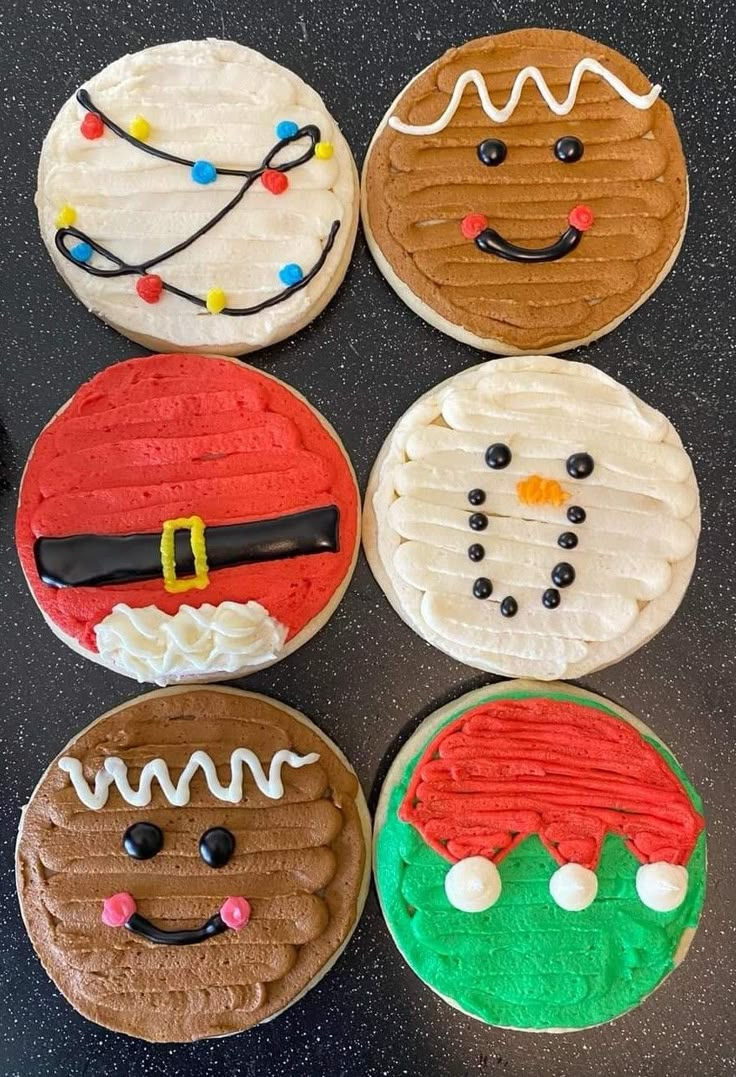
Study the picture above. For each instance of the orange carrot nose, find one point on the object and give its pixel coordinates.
(536, 490)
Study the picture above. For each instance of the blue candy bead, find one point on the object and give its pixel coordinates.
(286, 129)
(204, 172)
(290, 274)
(81, 252)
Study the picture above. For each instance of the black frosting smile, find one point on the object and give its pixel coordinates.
(140, 926)
(491, 242)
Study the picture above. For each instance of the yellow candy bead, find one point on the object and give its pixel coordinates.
(139, 128)
(66, 216)
(216, 300)
(323, 151)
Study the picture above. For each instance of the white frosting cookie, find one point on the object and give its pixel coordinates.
(212, 151)
(532, 517)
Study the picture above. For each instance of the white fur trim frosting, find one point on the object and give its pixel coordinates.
(150, 645)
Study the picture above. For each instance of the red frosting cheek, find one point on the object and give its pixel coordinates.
(174, 436)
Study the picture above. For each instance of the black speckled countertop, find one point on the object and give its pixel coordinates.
(366, 679)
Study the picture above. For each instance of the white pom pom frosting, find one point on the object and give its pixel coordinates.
(662, 886)
(573, 887)
(473, 884)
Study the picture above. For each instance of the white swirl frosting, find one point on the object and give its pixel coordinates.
(635, 550)
(150, 645)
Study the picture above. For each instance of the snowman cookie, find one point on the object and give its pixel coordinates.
(192, 863)
(539, 857)
(532, 517)
(526, 192)
(187, 518)
(198, 196)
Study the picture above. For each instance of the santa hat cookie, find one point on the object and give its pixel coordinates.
(192, 863)
(526, 192)
(187, 518)
(539, 856)
(198, 196)
(532, 517)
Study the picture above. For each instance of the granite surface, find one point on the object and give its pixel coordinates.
(366, 679)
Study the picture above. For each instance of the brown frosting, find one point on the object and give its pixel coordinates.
(298, 860)
(632, 175)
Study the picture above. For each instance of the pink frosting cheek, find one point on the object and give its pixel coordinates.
(235, 912)
(118, 909)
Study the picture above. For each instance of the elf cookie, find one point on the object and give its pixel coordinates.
(532, 517)
(198, 196)
(187, 518)
(192, 863)
(526, 192)
(539, 857)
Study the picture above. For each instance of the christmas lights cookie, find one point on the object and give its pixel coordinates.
(187, 518)
(532, 517)
(526, 192)
(192, 863)
(198, 196)
(539, 857)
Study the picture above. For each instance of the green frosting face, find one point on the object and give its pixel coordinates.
(526, 963)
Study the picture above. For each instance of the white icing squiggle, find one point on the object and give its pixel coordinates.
(560, 108)
(154, 646)
(115, 770)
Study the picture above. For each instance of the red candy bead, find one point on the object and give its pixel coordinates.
(273, 181)
(149, 288)
(581, 217)
(92, 126)
(472, 225)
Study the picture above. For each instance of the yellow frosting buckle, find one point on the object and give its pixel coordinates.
(195, 526)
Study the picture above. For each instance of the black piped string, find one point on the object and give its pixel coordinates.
(123, 268)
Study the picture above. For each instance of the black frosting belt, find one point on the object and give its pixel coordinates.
(98, 560)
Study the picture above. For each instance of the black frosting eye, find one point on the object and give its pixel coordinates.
(492, 151)
(216, 846)
(498, 456)
(568, 149)
(143, 840)
(580, 465)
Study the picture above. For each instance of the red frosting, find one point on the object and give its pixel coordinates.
(181, 435)
(567, 772)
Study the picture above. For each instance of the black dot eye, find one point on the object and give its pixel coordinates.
(216, 846)
(568, 149)
(580, 465)
(498, 456)
(143, 840)
(492, 151)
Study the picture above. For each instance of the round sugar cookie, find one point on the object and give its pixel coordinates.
(187, 517)
(532, 517)
(198, 196)
(539, 857)
(192, 863)
(526, 192)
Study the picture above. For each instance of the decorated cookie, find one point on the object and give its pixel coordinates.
(192, 863)
(539, 857)
(187, 518)
(526, 192)
(199, 196)
(532, 517)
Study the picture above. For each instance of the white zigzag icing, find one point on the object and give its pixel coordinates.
(560, 108)
(115, 770)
